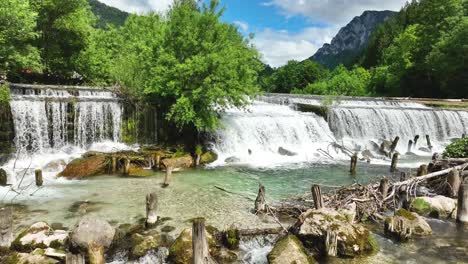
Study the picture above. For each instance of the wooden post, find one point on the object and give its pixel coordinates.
(384, 186)
(393, 166)
(422, 170)
(197, 160)
(462, 209)
(157, 162)
(416, 138)
(167, 178)
(394, 144)
(96, 254)
(260, 203)
(317, 196)
(454, 182)
(353, 165)
(428, 140)
(74, 259)
(3, 178)
(331, 243)
(151, 208)
(6, 227)
(410, 146)
(126, 169)
(114, 165)
(38, 175)
(201, 254)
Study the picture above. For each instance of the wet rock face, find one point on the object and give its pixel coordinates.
(438, 207)
(289, 250)
(352, 239)
(85, 167)
(405, 225)
(40, 235)
(91, 230)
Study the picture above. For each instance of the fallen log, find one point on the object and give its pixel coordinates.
(431, 175)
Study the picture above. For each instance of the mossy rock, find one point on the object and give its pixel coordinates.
(142, 244)
(86, 167)
(208, 157)
(404, 225)
(231, 239)
(289, 250)
(140, 172)
(437, 207)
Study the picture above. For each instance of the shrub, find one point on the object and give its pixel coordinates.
(458, 149)
(4, 93)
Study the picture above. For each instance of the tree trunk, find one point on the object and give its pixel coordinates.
(96, 254)
(393, 166)
(6, 227)
(462, 209)
(157, 162)
(422, 170)
(201, 254)
(410, 146)
(331, 243)
(317, 196)
(384, 186)
(38, 175)
(428, 140)
(197, 160)
(394, 144)
(454, 183)
(352, 168)
(151, 208)
(74, 259)
(260, 203)
(126, 170)
(114, 165)
(167, 178)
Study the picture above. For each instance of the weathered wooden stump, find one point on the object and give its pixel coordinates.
(317, 196)
(126, 167)
(6, 227)
(38, 176)
(454, 183)
(394, 144)
(197, 160)
(74, 259)
(352, 168)
(331, 243)
(168, 176)
(96, 254)
(462, 206)
(410, 146)
(384, 186)
(393, 166)
(422, 170)
(3, 178)
(260, 203)
(416, 138)
(151, 208)
(428, 141)
(157, 162)
(201, 254)
(114, 165)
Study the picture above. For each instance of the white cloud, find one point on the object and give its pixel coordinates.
(333, 11)
(244, 26)
(139, 6)
(280, 46)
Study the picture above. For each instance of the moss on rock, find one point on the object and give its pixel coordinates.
(289, 250)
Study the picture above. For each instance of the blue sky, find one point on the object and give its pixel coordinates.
(284, 29)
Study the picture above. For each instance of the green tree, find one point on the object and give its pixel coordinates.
(203, 66)
(296, 76)
(17, 23)
(65, 28)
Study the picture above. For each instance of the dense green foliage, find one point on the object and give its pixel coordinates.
(4, 93)
(458, 149)
(107, 15)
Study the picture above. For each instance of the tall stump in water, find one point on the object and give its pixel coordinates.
(114, 165)
(393, 166)
(260, 203)
(3, 178)
(157, 162)
(454, 182)
(416, 138)
(317, 196)
(428, 140)
(201, 254)
(394, 144)
(6, 227)
(126, 167)
(352, 168)
(38, 176)
(410, 146)
(168, 176)
(462, 209)
(151, 207)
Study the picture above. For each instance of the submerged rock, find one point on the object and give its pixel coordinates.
(232, 160)
(91, 230)
(55, 165)
(405, 224)
(438, 206)
(40, 235)
(284, 152)
(289, 250)
(352, 239)
(85, 167)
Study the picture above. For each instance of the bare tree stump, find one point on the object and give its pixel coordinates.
(317, 196)
(462, 209)
(197, 160)
(353, 165)
(201, 254)
(410, 146)
(331, 243)
(96, 254)
(416, 138)
(428, 141)
(38, 176)
(151, 208)
(3, 178)
(126, 167)
(260, 203)
(74, 259)
(393, 166)
(114, 165)
(422, 170)
(6, 227)
(157, 162)
(384, 186)
(454, 182)
(167, 178)
(394, 144)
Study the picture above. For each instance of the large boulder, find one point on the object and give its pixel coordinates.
(405, 224)
(289, 250)
(85, 167)
(438, 206)
(92, 230)
(40, 235)
(181, 250)
(208, 157)
(180, 162)
(352, 239)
